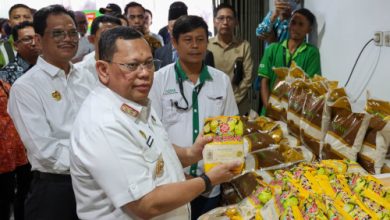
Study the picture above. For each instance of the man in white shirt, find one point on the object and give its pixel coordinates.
(123, 165)
(85, 47)
(188, 91)
(43, 104)
(99, 25)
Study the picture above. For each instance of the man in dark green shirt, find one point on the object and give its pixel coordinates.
(295, 49)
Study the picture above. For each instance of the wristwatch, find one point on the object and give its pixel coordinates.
(207, 182)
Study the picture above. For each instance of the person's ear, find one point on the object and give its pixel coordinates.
(16, 45)
(174, 42)
(102, 69)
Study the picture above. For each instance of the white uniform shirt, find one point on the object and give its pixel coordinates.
(114, 157)
(88, 67)
(84, 48)
(43, 104)
(215, 98)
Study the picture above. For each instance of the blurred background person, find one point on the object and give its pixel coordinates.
(148, 23)
(84, 46)
(17, 14)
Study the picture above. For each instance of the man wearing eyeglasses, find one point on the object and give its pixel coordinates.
(27, 52)
(99, 25)
(43, 105)
(232, 55)
(18, 13)
(19, 177)
(186, 92)
(123, 165)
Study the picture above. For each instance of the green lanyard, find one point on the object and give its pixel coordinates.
(195, 122)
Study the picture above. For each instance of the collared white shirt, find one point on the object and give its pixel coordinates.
(88, 67)
(84, 48)
(215, 98)
(43, 104)
(114, 157)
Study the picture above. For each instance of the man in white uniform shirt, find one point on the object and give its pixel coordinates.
(43, 104)
(188, 91)
(99, 24)
(123, 165)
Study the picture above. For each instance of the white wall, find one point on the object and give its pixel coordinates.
(343, 28)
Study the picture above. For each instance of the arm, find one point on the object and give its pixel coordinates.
(265, 27)
(168, 197)
(264, 91)
(265, 30)
(248, 69)
(28, 115)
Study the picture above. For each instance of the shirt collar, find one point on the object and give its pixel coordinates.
(21, 62)
(215, 40)
(204, 73)
(301, 47)
(135, 110)
(50, 68)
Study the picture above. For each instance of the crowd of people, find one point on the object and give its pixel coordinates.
(107, 124)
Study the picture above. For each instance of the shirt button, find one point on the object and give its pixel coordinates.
(195, 110)
(196, 131)
(133, 187)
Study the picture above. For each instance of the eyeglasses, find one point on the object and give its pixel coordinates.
(27, 40)
(149, 65)
(60, 35)
(223, 18)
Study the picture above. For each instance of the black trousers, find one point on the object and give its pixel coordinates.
(13, 190)
(201, 205)
(51, 197)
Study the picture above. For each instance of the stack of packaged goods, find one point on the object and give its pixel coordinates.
(309, 157)
(330, 189)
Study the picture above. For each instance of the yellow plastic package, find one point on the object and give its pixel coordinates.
(227, 144)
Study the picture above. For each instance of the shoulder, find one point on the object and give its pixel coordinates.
(165, 71)
(312, 48)
(218, 75)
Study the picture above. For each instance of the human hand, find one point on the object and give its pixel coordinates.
(268, 37)
(223, 172)
(281, 6)
(197, 147)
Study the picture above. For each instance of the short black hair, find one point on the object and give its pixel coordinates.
(107, 42)
(103, 19)
(18, 27)
(188, 23)
(307, 13)
(121, 16)
(222, 6)
(133, 5)
(40, 17)
(13, 7)
(150, 12)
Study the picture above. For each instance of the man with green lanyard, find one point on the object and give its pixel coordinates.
(17, 14)
(295, 49)
(188, 91)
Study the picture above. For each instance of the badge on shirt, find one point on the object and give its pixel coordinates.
(56, 95)
(159, 171)
(143, 134)
(129, 110)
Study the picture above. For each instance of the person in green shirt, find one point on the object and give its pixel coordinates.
(18, 13)
(295, 48)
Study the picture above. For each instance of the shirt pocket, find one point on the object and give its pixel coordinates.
(171, 114)
(215, 103)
